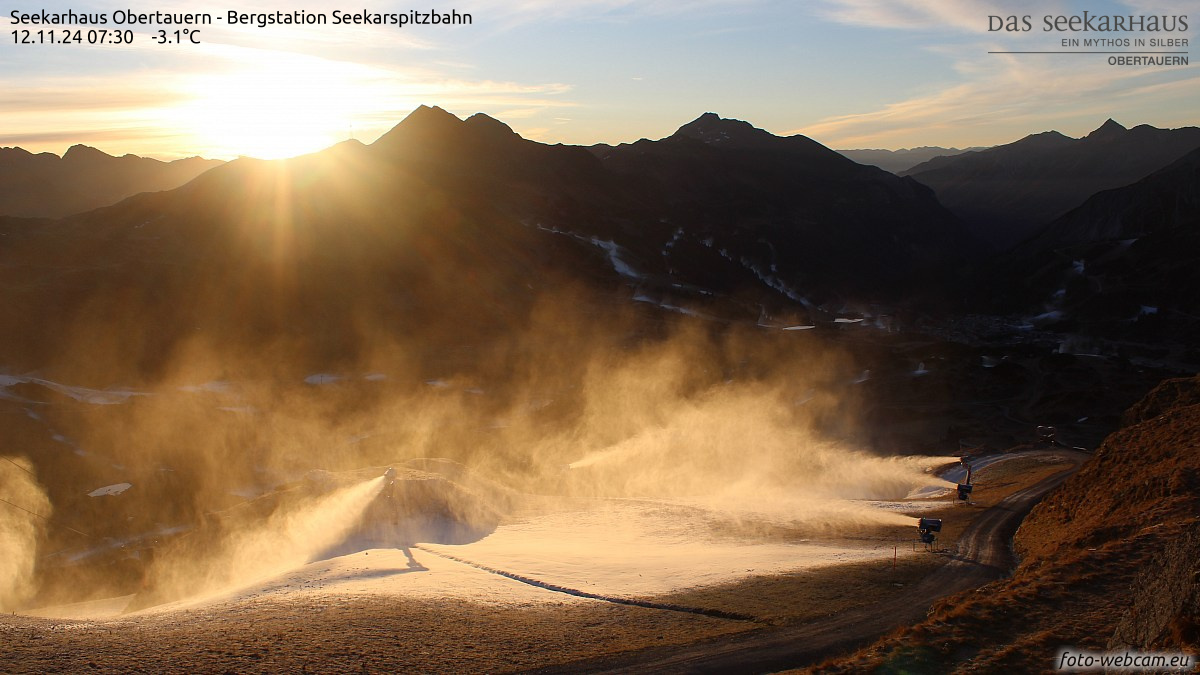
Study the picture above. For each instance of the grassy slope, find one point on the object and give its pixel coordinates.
(1108, 561)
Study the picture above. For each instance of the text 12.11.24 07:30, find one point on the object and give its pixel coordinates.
(101, 36)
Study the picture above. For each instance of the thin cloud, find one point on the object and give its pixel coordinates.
(70, 137)
(1000, 97)
(992, 93)
(507, 15)
(969, 16)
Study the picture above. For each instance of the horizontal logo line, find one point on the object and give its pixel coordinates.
(1071, 52)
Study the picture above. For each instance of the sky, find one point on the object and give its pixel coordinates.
(847, 73)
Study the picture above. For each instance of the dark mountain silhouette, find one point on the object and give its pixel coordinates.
(48, 186)
(1007, 192)
(447, 232)
(1122, 262)
(791, 213)
(1163, 201)
(897, 161)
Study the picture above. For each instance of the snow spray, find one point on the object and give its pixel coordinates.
(22, 520)
(288, 539)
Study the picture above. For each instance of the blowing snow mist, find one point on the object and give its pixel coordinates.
(757, 427)
(22, 524)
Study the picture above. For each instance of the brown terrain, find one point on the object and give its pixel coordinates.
(763, 623)
(458, 292)
(1108, 562)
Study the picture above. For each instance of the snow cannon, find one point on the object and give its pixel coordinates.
(926, 528)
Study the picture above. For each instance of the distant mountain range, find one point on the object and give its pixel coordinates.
(897, 161)
(459, 227)
(48, 186)
(787, 213)
(1005, 193)
(1123, 260)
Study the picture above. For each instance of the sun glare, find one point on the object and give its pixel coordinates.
(279, 105)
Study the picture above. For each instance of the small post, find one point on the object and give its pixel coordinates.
(895, 554)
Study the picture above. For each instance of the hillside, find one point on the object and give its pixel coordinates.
(461, 228)
(1008, 192)
(793, 214)
(48, 186)
(1108, 561)
(1120, 266)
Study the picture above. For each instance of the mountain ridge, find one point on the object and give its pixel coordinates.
(897, 161)
(770, 225)
(1006, 193)
(44, 185)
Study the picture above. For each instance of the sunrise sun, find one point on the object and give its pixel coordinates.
(276, 105)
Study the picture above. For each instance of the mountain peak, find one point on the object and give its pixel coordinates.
(429, 115)
(1110, 129)
(487, 124)
(1044, 140)
(431, 132)
(713, 129)
(420, 125)
(84, 152)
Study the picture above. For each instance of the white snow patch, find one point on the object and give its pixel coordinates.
(613, 549)
(928, 492)
(214, 387)
(1053, 315)
(374, 377)
(615, 256)
(674, 240)
(667, 306)
(957, 473)
(321, 379)
(110, 490)
(799, 327)
(57, 437)
(923, 500)
(242, 410)
(81, 394)
(771, 280)
(93, 396)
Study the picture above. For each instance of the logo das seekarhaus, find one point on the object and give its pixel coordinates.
(1127, 39)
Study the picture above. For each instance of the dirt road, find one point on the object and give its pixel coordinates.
(984, 553)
